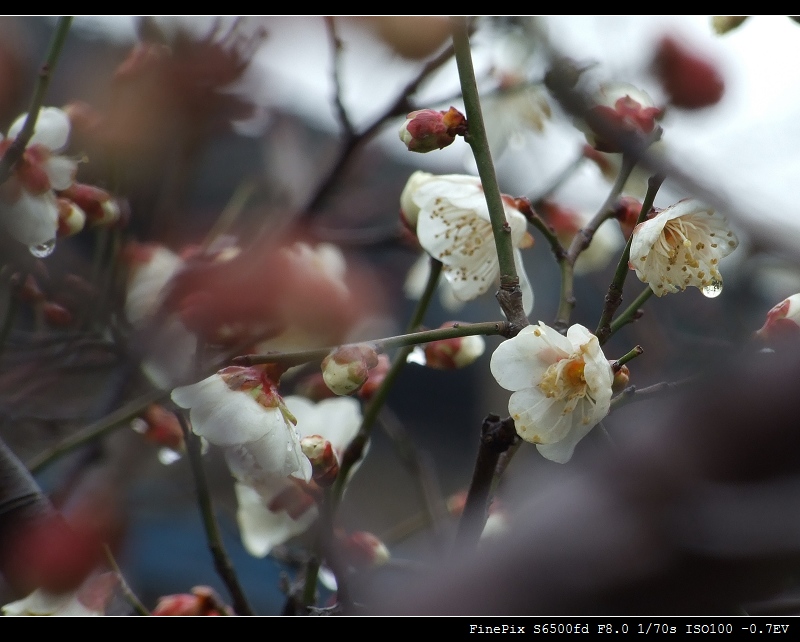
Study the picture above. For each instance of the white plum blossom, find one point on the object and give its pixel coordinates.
(239, 410)
(42, 603)
(272, 512)
(169, 355)
(453, 226)
(681, 247)
(561, 386)
(28, 206)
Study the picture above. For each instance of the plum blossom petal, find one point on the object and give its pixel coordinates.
(681, 247)
(277, 508)
(29, 210)
(32, 220)
(454, 227)
(259, 441)
(52, 128)
(561, 386)
(262, 529)
(41, 602)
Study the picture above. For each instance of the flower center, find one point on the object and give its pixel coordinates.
(676, 236)
(564, 379)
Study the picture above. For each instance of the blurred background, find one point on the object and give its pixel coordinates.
(184, 118)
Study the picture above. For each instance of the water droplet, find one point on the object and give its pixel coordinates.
(713, 289)
(43, 249)
(168, 456)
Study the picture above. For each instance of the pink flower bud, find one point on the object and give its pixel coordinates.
(449, 354)
(627, 213)
(363, 550)
(690, 81)
(427, 129)
(71, 218)
(375, 379)
(162, 427)
(621, 379)
(783, 320)
(202, 601)
(324, 465)
(56, 315)
(623, 108)
(100, 208)
(346, 369)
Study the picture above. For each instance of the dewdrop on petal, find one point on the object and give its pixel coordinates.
(681, 247)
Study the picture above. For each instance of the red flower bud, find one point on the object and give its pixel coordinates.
(690, 81)
(427, 129)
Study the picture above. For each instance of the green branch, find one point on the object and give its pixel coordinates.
(614, 297)
(487, 328)
(222, 562)
(510, 295)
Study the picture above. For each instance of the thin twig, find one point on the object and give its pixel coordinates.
(632, 393)
(581, 241)
(336, 52)
(628, 356)
(133, 600)
(614, 296)
(96, 429)
(222, 562)
(487, 328)
(17, 148)
(497, 436)
(631, 313)
(420, 466)
(355, 449)
(400, 107)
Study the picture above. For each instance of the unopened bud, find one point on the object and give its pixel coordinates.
(363, 550)
(29, 291)
(324, 465)
(202, 601)
(620, 109)
(724, 24)
(621, 379)
(458, 352)
(161, 427)
(783, 320)
(627, 213)
(314, 387)
(375, 379)
(56, 314)
(427, 129)
(690, 81)
(346, 369)
(71, 218)
(99, 206)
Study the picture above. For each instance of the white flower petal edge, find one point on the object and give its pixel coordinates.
(259, 442)
(261, 529)
(681, 247)
(561, 386)
(337, 420)
(41, 602)
(51, 130)
(32, 220)
(454, 227)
